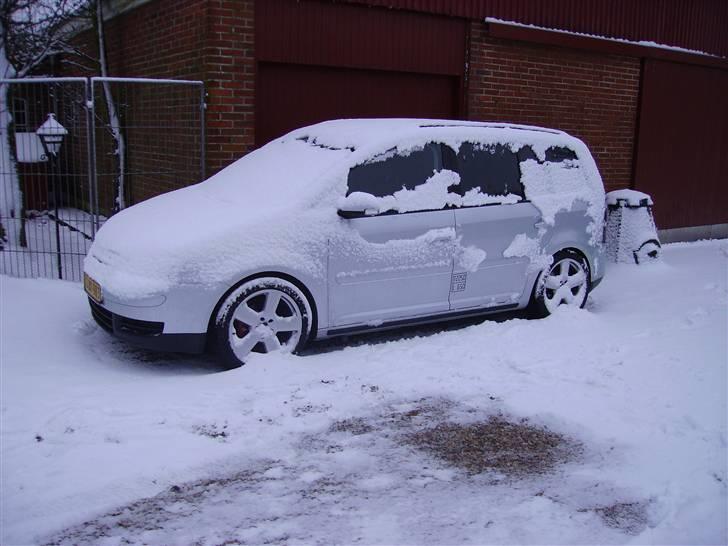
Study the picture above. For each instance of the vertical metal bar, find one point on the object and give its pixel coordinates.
(93, 177)
(53, 160)
(203, 107)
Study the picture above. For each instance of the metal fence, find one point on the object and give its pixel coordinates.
(74, 151)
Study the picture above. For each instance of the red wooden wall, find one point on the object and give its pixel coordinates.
(693, 24)
(319, 61)
(682, 151)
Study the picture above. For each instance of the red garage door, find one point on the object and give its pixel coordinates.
(682, 150)
(319, 61)
(291, 96)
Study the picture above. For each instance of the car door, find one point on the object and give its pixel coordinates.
(395, 264)
(494, 212)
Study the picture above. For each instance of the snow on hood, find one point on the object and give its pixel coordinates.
(263, 209)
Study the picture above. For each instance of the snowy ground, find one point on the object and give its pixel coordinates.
(104, 444)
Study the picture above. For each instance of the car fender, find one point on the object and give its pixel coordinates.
(313, 286)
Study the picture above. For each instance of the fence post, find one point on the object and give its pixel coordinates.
(93, 178)
(203, 108)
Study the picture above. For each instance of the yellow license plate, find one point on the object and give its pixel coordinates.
(92, 288)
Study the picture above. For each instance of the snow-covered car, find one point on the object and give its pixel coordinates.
(354, 225)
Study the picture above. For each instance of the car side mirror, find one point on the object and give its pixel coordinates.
(358, 204)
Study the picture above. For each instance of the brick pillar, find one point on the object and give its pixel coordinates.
(230, 81)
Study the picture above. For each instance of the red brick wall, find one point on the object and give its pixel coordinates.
(589, 95)
(160, 39)
(211, 40)
(230, 80)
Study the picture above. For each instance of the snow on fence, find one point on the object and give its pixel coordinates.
(73, 151)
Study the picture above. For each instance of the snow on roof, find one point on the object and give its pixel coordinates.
(365, 133)
(631, 198)
(644, 43)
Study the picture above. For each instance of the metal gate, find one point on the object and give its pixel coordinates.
(74, 151)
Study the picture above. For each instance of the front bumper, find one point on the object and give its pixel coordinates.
(146, 334)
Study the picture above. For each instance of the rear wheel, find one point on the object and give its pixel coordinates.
(567, 282)
(262, 316)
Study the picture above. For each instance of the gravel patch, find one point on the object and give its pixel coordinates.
(515, 449)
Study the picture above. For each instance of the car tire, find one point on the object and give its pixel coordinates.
(567, 281)
(262, 315)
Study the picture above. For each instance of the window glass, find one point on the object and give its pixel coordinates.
(491, 167)
(526, 153)
(558, 154)
(386, 174)
(20, 115)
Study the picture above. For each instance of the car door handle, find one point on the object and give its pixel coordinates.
(540, 225)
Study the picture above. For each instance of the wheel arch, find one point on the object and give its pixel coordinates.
(555, 247)
(259, 275)
(552, 252)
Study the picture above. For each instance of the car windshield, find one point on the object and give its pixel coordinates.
(281, 173)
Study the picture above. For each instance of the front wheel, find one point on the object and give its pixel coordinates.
(567, 282)
(261, 316)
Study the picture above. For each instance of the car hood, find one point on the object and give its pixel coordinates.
(238, 220)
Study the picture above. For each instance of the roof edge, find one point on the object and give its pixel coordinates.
(508, 30)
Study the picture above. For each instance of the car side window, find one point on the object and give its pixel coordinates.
(490, 169)
(558, 154)
(386, 174)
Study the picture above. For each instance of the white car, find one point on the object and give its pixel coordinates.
(354, 225)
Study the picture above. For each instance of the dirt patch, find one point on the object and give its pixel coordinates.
(628, 517)
(513, 449)
(355, 426)
(213, 430)
(157, 512)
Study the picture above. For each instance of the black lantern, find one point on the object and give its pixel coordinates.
(51, 135)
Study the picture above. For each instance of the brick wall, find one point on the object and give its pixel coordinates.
(230, 79)
(209, 40)
(592, 96)
(160, 39)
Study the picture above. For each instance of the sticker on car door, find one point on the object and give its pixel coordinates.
(458, 282)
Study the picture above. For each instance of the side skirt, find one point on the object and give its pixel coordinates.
(390, 325)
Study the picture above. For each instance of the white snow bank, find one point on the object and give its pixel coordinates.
(89, 424)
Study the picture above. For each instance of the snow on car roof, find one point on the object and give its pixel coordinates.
(365, 133)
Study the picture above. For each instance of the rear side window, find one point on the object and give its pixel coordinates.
(557, 154)
(491, 169)
(386, 174)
